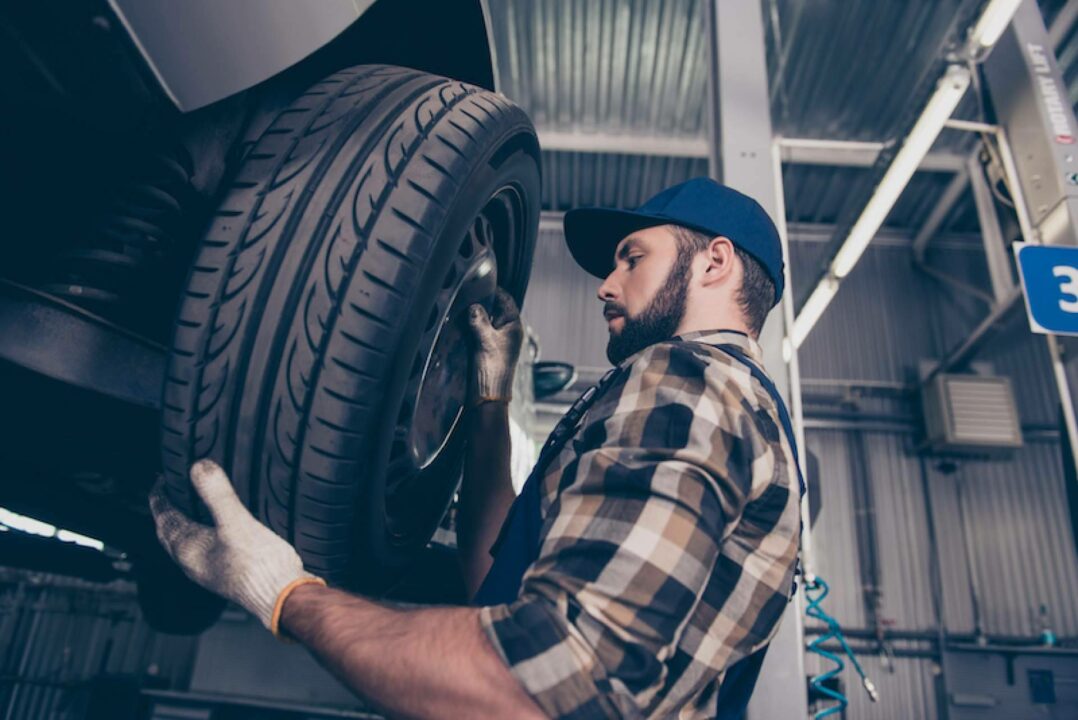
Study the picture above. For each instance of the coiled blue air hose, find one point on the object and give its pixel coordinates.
(815, 591)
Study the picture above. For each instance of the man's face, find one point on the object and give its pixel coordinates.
(644, 297)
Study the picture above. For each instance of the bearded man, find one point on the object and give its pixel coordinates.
(644, 567)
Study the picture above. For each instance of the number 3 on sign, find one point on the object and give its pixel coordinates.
(1050, 285)
(1068, 287)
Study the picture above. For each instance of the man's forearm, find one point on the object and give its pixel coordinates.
(416, 663)
(486, 491)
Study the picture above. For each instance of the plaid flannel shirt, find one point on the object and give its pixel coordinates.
(670, 533)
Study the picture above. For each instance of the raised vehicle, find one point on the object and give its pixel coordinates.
(247, 231)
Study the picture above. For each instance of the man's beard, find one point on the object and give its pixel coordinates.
(659, 320)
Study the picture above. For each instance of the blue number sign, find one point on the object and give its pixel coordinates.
(1050, 282)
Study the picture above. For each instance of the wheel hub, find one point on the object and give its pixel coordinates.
(443, 390)
(423, 468)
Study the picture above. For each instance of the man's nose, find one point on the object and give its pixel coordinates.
(606, 290)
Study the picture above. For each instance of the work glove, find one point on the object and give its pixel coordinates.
(497, 337)
(238, 558)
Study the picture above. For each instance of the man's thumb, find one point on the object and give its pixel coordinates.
(215, 489)
(479, 319)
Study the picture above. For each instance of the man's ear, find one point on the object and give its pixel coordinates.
(721, 260)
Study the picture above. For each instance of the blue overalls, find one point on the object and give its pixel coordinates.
(517, 546)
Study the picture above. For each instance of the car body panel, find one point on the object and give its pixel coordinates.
(202, 51)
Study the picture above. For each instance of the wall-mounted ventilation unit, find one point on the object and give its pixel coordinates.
(970, 414)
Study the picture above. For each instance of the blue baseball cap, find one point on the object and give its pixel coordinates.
(701, 204)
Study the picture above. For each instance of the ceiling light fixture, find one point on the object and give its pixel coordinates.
(949, 90)
(993, 21)
(813, 309)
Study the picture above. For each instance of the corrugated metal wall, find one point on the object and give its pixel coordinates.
(1017, 521)
(887, 318)
(563, 308)
(59, 634)
(880, 323)
(894, 475)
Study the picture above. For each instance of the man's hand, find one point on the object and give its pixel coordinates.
(425, 663)
(497, 339)
(238, 558)
(487, 490)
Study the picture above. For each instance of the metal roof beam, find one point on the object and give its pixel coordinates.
(623, 143)
(551, 221)
(951, 195)
(997, 250)
(849, 153)
(807, 232)
(1063, 23)
(795, 151)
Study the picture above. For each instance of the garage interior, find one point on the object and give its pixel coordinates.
(939, 428)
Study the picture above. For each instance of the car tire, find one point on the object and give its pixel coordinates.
(320, 352)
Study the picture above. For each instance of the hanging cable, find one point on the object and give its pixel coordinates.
(815, 591)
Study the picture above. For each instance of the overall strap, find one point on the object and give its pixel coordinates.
(740, 678)
(768, 385)
(567, 426)
(517, 545)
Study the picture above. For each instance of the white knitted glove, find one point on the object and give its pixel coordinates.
(496, 345)
(239, 558)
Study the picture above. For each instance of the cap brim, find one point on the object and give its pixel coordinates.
(592, 234)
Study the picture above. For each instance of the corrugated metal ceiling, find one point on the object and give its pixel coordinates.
(604, 65)
(849, 70)
(1060, 16)
(638, 68)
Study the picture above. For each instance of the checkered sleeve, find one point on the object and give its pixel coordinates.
(665, 464)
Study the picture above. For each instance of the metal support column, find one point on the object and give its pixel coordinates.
(950, 197)
(741, 126)
(1037, 120)
(996, 252)
(741, 157)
